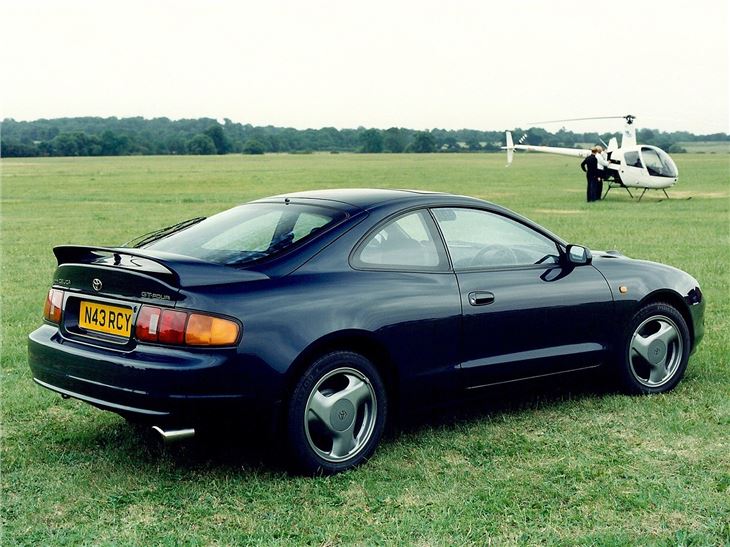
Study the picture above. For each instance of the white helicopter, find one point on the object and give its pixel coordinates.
(631, 165)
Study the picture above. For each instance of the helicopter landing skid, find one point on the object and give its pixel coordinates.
(613, 184)
(645, 189)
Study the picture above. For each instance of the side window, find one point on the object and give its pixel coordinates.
(480, 239)
(406, 243)
(632, 159)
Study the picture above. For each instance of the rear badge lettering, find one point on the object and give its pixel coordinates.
(154, 295)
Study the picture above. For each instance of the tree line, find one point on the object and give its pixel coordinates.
(94, 136)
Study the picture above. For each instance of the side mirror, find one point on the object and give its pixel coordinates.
(577, 255)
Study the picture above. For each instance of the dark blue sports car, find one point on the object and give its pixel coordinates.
(320, 313)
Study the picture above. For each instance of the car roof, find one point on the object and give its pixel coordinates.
(369, 198)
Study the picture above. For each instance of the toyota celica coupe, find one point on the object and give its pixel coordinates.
(321, 313)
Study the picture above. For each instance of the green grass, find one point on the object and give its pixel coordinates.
(706, 147)
(556, 463)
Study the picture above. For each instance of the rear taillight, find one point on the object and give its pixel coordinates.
(172, 327)
(165, 326)
(148, 322)
(52, 307)
(204, 330)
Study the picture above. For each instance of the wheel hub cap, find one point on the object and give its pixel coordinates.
(657, 352)
(342, 415)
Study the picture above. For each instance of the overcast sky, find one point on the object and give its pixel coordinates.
(418, 64)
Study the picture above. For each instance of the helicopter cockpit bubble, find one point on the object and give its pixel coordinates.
(658, 163)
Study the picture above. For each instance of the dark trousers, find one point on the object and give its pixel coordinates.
(593, 191)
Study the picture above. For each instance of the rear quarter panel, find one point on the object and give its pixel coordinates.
(415, 317)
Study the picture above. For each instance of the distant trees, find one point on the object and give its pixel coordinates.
(67, 144)
(372, 141)
(113, 144)
(450, 144)
(253, 147)
(88, 136)
(395, 140)
(423, 142)
(176, 144)
(19, 150)
(536, 136)
(75, 143)
(473, 145)
(215, 132)
(202, 145)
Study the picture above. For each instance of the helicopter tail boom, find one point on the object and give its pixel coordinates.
(511, 147)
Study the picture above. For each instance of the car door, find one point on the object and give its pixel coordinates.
(525, 311)
(413, 302)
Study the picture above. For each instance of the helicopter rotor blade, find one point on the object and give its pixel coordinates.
(627, 117)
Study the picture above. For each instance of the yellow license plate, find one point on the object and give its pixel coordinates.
(105, 318)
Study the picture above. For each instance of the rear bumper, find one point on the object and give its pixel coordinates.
(106, 405)
(154, 384)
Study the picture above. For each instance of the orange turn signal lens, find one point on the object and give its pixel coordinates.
(176, 327)
(53, 305)
(204, 330)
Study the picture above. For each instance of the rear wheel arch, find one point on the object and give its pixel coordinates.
(357, 341)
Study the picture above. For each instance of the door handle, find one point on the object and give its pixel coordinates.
(481, 298)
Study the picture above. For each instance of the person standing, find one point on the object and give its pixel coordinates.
(590, 168)
(602, 165)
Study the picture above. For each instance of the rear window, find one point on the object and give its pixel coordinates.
(249, 232)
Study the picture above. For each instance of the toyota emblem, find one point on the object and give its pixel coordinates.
(96, 284)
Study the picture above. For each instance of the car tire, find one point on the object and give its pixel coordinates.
(336, 414)
(654, 350)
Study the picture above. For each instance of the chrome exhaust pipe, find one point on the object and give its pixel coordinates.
(174, 435)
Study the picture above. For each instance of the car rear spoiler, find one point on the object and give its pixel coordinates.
(176, 270)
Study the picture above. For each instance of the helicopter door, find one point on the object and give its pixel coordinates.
(632, 172)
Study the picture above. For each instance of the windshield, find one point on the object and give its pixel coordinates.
(249, 232)
(658, 162)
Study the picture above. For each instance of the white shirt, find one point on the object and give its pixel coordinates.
(601, 161)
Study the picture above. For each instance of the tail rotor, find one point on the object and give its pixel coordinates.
(510, 148)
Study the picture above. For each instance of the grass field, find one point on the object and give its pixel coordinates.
(706, 147)
(553, 463)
